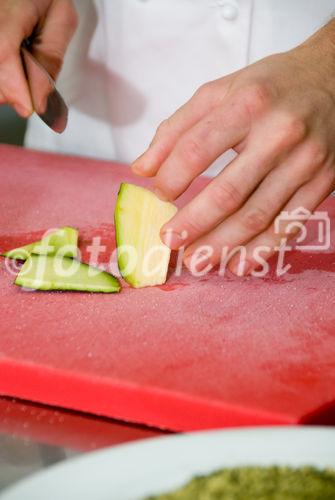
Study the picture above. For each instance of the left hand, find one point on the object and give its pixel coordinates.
(279, 116)
(54, 22)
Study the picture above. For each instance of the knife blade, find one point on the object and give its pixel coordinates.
(48, 103)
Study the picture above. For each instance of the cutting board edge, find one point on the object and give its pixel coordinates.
(130, 403)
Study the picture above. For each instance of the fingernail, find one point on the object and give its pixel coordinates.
(22, 110)
(172, 239)
(160, 195)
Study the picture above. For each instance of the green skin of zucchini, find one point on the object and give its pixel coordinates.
(64, 241)
(44, 272)
(122, 259)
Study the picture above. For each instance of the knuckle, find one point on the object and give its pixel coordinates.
(295, 127)
(255, 219)
(204, 90)
(162, 127)
(257, 97)
(316, 152)
(165, 185)
(210, 93)
(290, 131)
(226, 195)
(193, 226)
(191, 151)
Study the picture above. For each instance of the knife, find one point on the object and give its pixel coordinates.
(48, 103)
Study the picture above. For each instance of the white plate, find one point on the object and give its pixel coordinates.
(133, 471)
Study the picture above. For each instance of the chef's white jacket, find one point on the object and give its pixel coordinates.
(132, 63)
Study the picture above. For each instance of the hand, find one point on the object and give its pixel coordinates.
(55, 22)
(279, 116)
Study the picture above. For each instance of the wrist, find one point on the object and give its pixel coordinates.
(317, 54)
(325, 36)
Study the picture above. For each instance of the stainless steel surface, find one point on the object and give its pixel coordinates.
(47, 101)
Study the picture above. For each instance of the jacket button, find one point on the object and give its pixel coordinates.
(229, 11)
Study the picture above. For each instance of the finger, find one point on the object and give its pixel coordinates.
(267, 243)
(229, 190)
(198, 148)
(14, 87)
(203, 102)
(17, 21)
(223, 196)
(219, 199)
(262, 206)
(228, 126)
(55, 35)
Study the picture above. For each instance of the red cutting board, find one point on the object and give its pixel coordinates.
(195, 353)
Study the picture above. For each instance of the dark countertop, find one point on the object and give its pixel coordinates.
(34, 437)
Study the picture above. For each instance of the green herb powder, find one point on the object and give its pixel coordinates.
(259, 483)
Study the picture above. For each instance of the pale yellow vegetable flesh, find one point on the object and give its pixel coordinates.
(139, 216)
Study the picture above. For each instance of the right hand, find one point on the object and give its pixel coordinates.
(55, 22)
